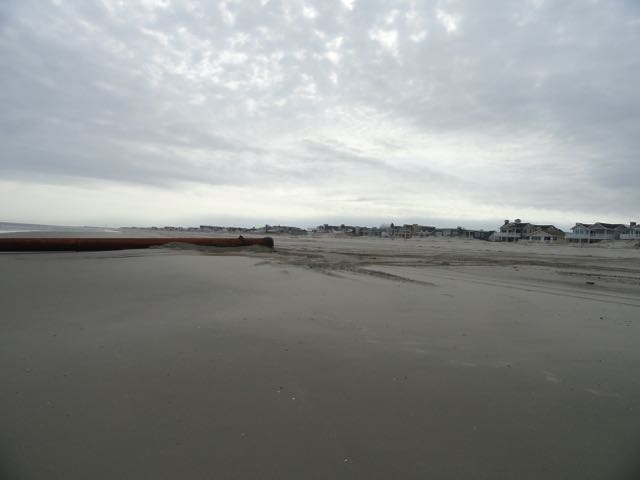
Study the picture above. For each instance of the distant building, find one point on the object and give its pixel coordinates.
(462, 233)
(284, 229)
(326, 228)
(445, 232)
(478, 234)
(422, 230)
(211, 228)
(367, 232)
(519, 230)
(633, 233)
(543, 235)
(596, 232)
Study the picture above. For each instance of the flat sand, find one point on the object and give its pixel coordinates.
(327, 358)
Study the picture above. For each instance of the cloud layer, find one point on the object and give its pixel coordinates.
(274, 110)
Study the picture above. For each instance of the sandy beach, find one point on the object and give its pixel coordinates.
(326, 358)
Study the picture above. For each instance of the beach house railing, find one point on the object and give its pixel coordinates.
(593, 236)
(630, 236)
(507, 235)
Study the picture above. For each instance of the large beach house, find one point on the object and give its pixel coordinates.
(596, 232)
(519, 230)
(633, 233)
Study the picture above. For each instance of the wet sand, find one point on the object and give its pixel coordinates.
(326, 358)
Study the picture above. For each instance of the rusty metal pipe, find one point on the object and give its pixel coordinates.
(100, 244)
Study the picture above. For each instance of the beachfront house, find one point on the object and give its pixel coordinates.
(596, 232)
(326, 228)
(410, 230)
(462, 233)
(480, 234)
(367, 232)
(546, 235)
(423, 230)
(633, 233)
(519, 230)
(513, 231)
(283, 229)
(445, 232)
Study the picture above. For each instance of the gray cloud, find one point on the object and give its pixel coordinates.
(510, 105)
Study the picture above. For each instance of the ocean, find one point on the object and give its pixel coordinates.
(11, 227)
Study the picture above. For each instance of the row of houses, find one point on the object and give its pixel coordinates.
(282, 229)
(510, 231)
(581, 232)
(599, 231)
(267, 229)
(519, 230)
(403, 231)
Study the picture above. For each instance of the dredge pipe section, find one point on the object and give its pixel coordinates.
(100, 244)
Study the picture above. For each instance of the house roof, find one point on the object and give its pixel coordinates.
(516, 224)
(545, 230)
(610, 225)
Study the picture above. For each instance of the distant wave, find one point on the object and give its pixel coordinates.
(6, 227)
(2, 230)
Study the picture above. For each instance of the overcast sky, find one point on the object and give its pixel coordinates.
(250, 112)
